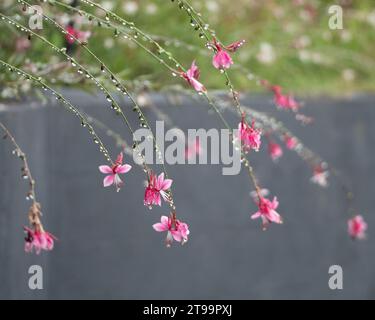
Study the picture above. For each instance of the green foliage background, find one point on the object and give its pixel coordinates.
(308, 57)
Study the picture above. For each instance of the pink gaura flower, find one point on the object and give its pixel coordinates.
(290, 142)
(286, 102)
(192, 77)
(193, 149)
(22, 44)
(38, 240)
(267, 212)
(275, 151)
(176, 230)
(320, 176)
(357, 228)
(249, 136)
(73, 34)
(156, 189)
(113, 174)
(222, 59)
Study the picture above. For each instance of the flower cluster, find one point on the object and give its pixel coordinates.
(176, 230)
(156, 189)
(249, 135)
(37, 239)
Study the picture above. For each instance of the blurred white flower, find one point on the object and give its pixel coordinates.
(327, 36)
(108, 5)
(346, 36)
(25, 87)
(212, 6)
(371, 18)
(266, 54)
(151, 8)
(303, 42)
(8, 93)
(348, 75)
(64, 19)
(109, 43)
(130, 7)
(279, 12)
(304, 55)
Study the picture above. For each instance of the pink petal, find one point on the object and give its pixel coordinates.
(160, 180)
(222, 60)
(273, 216)
(159, 227)
(275, 203)
(166, 184)
(177, 236)
(109, 180)
(256, 215)
(123, 169)
(163, 226)
(164, 220)
(197, 85)
(105, 169)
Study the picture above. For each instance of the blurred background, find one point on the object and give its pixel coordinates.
(106, 247)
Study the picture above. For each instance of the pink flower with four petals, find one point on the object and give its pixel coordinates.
(113, 174)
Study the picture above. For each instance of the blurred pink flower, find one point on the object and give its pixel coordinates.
(114, 172)
(73, 34)
(286, 102)
(22, 44)
(290, 142)
(193, 149)
(192, 77)
(249, 136)
(38, 240)
(176, 230)
(275, 150)
(267, 212)
(157, 188)
(357, 228)
(320, 176)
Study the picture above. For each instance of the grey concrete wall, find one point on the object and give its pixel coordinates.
(107, 248)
